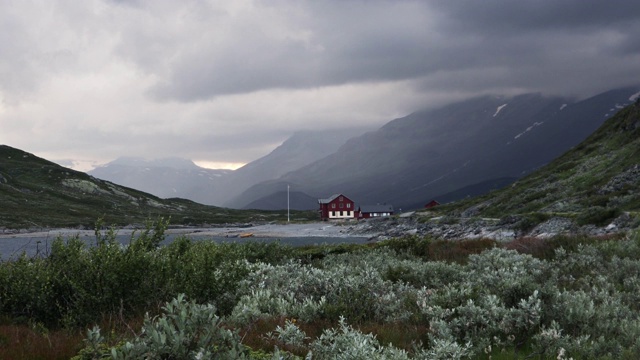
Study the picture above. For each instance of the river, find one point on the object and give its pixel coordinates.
(39, 244)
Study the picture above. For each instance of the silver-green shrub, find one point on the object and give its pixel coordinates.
(505, 273)
(582, 303)
(347, 343)
(357, 292)
(289, 335)
(185, 330)
(444, 350)
(267, 303)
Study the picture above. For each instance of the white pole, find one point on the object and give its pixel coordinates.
(287, 203)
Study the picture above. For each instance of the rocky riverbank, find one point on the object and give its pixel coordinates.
(421, 224)
(257, 230)
(504, 229)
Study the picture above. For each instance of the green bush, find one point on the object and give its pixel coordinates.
(580, 299)
(530, 220)
(598, 215)
(185, 330)
(79, 284)
(412, 245)
(27, 292)
(580, 303)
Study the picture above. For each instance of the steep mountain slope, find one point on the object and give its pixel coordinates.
(36, 193)
(594, 182)
(301, 149)
(164, 178)
(278, 201)
(428, 154)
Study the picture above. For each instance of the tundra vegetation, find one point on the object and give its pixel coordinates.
(407, 298)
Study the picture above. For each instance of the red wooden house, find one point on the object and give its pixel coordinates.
(431, 204)
(337, 207)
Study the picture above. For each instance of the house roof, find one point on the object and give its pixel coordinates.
(331, 198)
(328, 200)
(384, 208)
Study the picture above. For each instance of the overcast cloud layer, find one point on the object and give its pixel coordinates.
(227, 81)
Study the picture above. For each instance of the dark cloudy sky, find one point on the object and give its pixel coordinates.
(225, 82)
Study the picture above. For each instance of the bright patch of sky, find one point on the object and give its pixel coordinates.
(218, 165)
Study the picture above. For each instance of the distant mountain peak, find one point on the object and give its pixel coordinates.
(38, 194)
(170, 162)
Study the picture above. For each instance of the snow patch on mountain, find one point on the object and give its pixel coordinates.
(618, 106)
(498, 109)
(535, 124)
(563, 106)
(635, 96)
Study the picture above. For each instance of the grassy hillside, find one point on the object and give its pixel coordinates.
(38, 193)
(593, 183)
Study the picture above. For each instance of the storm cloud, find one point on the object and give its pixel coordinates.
(226, 82)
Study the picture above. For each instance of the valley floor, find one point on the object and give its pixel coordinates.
(314, 229)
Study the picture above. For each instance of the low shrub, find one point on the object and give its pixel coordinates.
(185, 330)
(438, 250)
(78, 284)
(413, 245)
(459, 250)
(528, 221)
(533, 246)
(597, 215)
(567, 296)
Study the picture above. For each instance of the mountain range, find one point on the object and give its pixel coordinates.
(38, 194)
(595, 181)
(460, 150)
(173, 177)
(165, 178)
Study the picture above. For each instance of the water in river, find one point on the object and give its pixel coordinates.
(39, 244)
